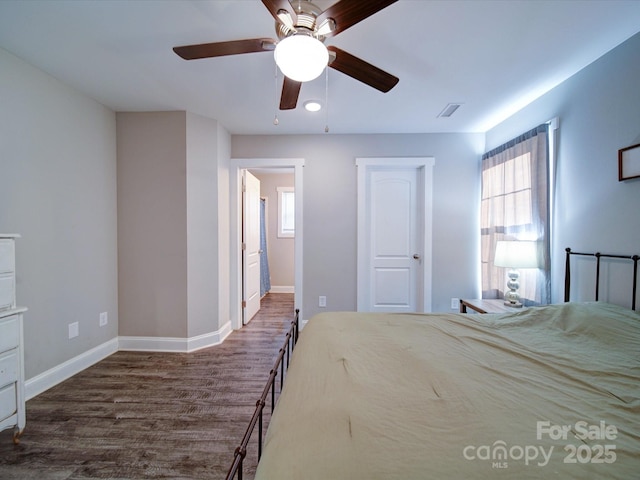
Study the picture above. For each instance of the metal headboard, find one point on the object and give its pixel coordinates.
(598, 255)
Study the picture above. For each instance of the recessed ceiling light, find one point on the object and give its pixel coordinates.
(312, 106)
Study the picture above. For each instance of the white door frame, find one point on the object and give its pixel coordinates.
(424, 165)
(235, 200)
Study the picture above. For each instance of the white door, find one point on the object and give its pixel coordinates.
(392, 249)
(250, 247)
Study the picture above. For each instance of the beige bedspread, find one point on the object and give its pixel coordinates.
(549, 392)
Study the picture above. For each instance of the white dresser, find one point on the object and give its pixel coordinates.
(12, 403)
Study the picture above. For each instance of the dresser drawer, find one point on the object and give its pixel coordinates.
(8, 367)
(7, 291)
(8, 401)
(7, 256)
(9, 332)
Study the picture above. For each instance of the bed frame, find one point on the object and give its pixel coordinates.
(281, 364)
(598, 256)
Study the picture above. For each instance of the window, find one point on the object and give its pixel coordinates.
(506, 194)
(515, 205)
(286, 212)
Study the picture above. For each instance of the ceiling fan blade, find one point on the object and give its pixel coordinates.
(347, 13)
(363, 71)
(290, 92)
(220, 49)
(277, 6)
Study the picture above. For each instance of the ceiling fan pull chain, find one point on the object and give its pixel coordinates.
(326, 99)
(275, 82)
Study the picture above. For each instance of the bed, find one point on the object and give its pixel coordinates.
(551, 391)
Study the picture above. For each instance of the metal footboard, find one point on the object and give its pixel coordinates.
(281, 364)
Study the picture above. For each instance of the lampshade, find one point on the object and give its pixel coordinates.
(301, 57)
(516, 254)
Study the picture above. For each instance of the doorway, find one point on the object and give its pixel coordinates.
(277, 190)
(238, 165)
(394, 234)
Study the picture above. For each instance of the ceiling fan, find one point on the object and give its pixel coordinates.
(302, 22)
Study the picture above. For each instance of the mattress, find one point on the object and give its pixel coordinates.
(544, 392)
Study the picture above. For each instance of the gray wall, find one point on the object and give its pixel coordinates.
(205, 225)
(172, 231)
(222, 221)
(152, 224)
(599, 113)
(58, 190)
(330, 208)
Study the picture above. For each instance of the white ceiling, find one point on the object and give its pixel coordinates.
(494, 57)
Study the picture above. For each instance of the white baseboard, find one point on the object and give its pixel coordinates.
(40, 383)
(44, 381)
(281, 289)
(174, 344)
(209, 339)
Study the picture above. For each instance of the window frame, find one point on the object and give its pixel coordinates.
(283, 229)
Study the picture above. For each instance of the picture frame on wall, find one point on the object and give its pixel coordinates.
(629, 162)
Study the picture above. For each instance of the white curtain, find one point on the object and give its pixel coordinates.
(515, 206)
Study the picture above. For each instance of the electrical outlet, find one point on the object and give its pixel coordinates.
(455, 303)
(322, 301)
(104, 319)
(74, 329)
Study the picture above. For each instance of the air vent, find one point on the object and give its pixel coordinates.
(449, 110)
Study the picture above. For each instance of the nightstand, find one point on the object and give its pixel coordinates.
(484, 305)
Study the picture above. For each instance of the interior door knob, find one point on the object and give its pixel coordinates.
(416, 256)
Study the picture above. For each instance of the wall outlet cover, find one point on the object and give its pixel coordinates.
(74, 329)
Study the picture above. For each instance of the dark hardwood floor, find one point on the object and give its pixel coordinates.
(139, 415)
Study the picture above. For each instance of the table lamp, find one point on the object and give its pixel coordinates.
(514, 255)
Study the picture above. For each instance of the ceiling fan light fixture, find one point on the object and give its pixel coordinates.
(326, 27)
(301, 57)
(286, 19)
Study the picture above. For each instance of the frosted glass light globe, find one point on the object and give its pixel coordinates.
(301, 58)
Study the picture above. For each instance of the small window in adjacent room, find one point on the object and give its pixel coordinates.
(286, 212)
